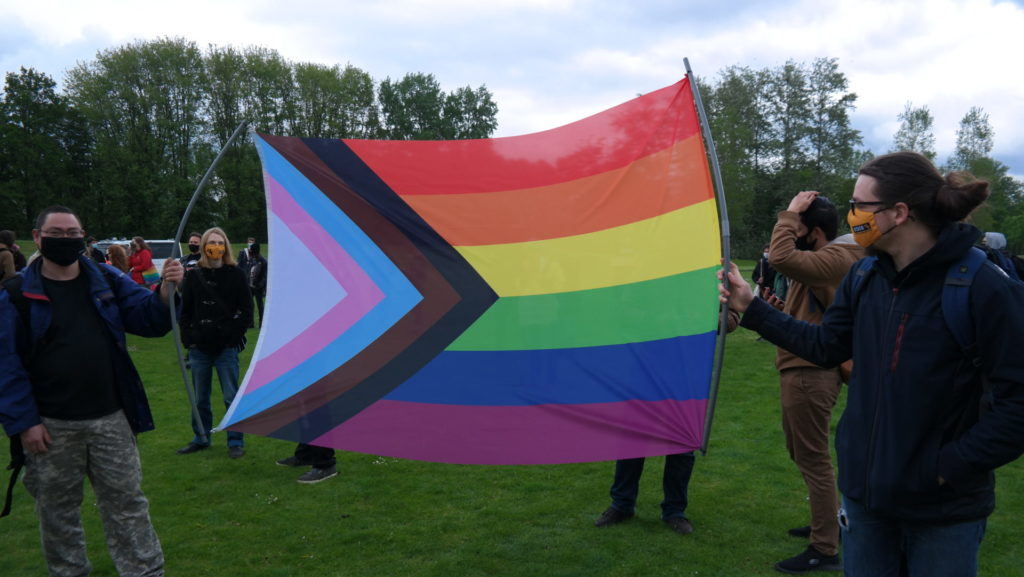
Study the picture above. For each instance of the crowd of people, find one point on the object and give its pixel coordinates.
(935, 400)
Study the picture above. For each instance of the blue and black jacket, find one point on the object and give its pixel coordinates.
(124, 306)
(914, 407)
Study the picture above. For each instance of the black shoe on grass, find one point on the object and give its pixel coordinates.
(802, 532)
(612, 516)
(680, 525)
(809, 560)
(192, 448)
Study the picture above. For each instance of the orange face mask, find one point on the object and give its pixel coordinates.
(214, 251)
(865, 229)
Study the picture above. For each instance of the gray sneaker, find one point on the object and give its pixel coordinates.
(315, 475)
(236, 452)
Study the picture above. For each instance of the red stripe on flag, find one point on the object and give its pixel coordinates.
(603, 142)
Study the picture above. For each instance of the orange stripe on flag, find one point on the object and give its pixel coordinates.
(663, 182)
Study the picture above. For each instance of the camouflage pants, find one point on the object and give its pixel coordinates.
(104, 450)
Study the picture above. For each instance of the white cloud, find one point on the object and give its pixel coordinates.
(553, 61)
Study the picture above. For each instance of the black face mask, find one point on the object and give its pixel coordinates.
(804, 243)
(62, 251)
(193, 248)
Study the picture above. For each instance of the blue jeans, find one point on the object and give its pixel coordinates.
(675, 482)
(875, 546)
(226, 363)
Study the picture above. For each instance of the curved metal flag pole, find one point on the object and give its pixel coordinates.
(175, 253)
(723, 217)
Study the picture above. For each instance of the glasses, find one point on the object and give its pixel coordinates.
(861, 204)
(69, 233)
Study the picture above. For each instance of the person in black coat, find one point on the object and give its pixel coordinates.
(92, 251)
(216, 310)
(257, 277)
(764, 274)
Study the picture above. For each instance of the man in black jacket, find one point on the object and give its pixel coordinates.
(257, 277)
(70, 393)
(927, 422)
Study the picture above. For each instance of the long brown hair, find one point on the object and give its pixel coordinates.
(140, 243)
(117, 257)
(935, 200)
(228, 258)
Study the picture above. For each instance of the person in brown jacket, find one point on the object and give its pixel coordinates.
(805, 249)
(7, 268)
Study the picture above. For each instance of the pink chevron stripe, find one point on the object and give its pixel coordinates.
(362, 296)
(498, 435)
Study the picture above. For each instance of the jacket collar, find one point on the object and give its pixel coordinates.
(32, 285)
(954, 241)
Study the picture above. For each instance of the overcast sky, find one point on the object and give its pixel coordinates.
(549, 62)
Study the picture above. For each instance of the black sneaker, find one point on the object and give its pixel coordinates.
(293, 461)
(236, 452)
(680, 525)
(809, 560)
(192, 448)
(802, 532)
(612, 516)
(315, 475)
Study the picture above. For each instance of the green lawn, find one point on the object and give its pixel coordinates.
(383, 516)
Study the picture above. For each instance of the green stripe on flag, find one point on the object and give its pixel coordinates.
(677, 305)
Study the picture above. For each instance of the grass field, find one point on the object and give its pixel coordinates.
(382, 516)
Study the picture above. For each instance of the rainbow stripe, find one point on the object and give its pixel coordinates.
(534, 299)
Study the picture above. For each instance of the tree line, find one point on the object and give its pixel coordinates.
(780, 130)
(132, 132)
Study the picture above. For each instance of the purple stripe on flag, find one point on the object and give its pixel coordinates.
(527, 435)
(362, 295)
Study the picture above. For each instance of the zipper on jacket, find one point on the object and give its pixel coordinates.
(878, 398)
(899, 341)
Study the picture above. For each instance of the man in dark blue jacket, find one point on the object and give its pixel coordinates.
(70, 393)
(926, 422)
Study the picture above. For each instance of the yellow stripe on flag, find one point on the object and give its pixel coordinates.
(680, 241)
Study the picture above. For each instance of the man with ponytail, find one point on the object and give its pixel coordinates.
(927, 420)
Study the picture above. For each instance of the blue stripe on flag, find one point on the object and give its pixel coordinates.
(677, 368)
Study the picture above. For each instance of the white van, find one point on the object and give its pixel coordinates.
(162, 249)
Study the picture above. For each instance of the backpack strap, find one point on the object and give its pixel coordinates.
(21, 304)
(17, 462)
(956, 305)
(862, 270)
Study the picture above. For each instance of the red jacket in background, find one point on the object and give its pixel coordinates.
(140, 262)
